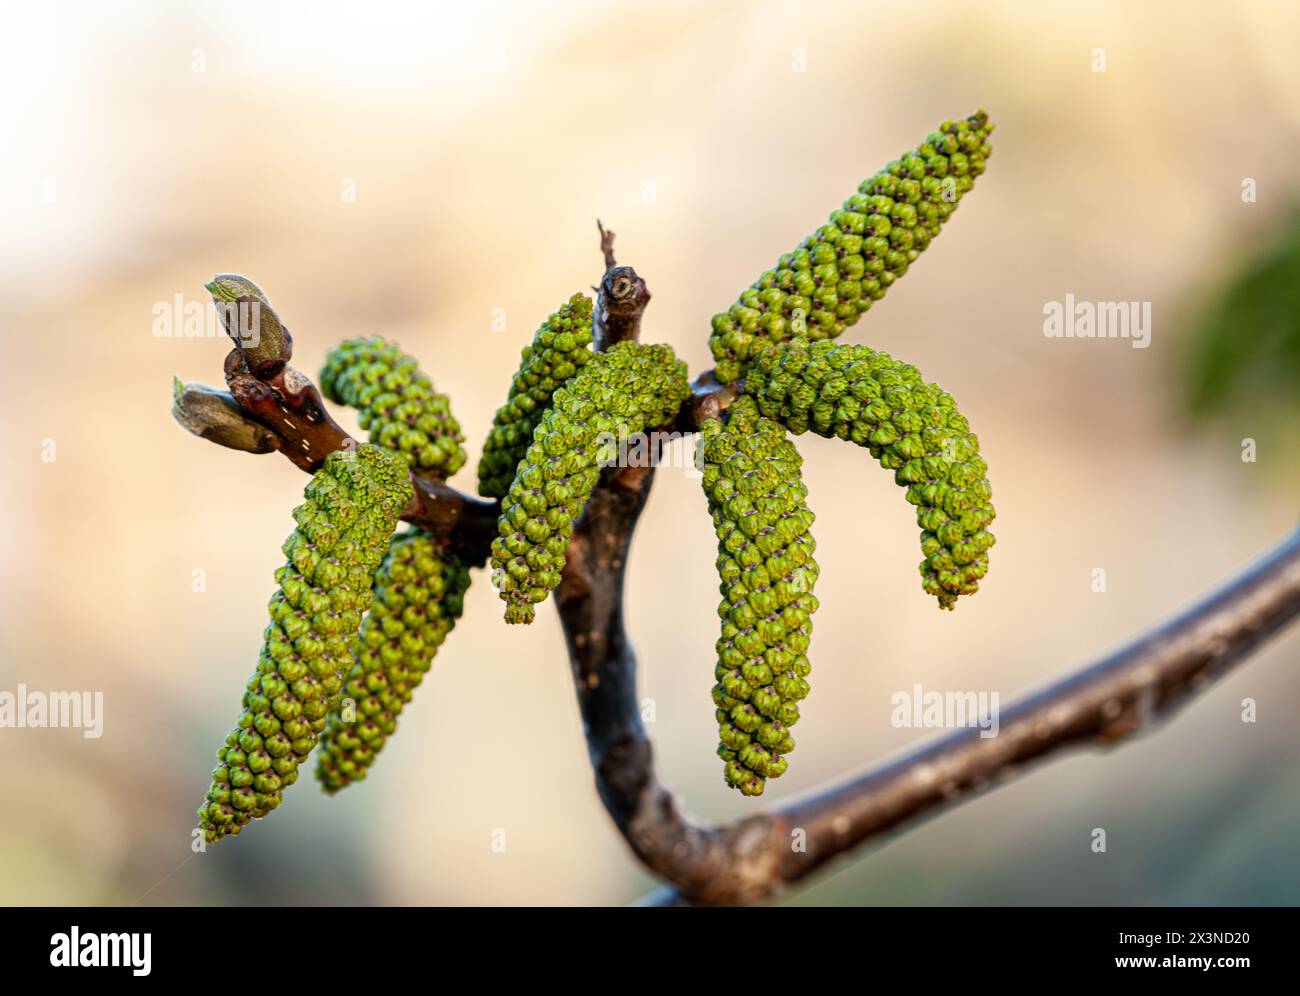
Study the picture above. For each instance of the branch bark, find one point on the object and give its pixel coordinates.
(621, 299)
(274, 406)
(751, 859)
(748, 860)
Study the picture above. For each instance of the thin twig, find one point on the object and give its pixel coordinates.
(1107, 703)
(621, 299)
(296, 421)
(607, 246)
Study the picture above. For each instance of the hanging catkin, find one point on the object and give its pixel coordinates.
(561, 347)
(396, 404)
(628, 389)
(834, 275)
(419, 595)
(766, 569)
(419, 590)
(343, 529)
(913, 428)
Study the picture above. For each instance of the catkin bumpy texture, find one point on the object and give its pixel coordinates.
(396, 403)
(560, 348)
(628, 389)
(913, 428)
(343, 529)
(758, 502)
(838, 272)
(419, 589)
(419, 595)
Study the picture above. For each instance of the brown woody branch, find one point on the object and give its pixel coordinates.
(752, 859)
(290, 406)
(621, 299)
(271, 405)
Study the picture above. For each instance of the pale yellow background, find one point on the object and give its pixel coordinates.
(149, 146)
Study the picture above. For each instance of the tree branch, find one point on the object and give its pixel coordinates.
(1128, 693)
(272, 405)
(290, 406)
(606, 246)
(621, 299)
(751, 859)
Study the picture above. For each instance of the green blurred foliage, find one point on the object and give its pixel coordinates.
(1243, 356)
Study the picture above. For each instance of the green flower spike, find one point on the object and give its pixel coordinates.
(834, 275)
(628, 389)
(558, 351)
(352, 507)
(765, 562)
(911, 427)
(419, 595)
(397, 404)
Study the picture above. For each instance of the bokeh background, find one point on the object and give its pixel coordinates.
(148, 146)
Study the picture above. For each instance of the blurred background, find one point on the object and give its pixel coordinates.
(434, 175)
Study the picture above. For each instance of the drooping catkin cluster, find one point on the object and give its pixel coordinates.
(834, 275)
(560, 348)
(343, 529)
(340, 664)
(911, 427)
(757, 499)
(396, 403)
(419, 595)
(628, 389)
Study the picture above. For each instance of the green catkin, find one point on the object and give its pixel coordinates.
(911, 427)
(396, 403)
(834, 275)
(765, 563)
(419, 595)
(343, 529)
(628, 389)
(561, 347)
